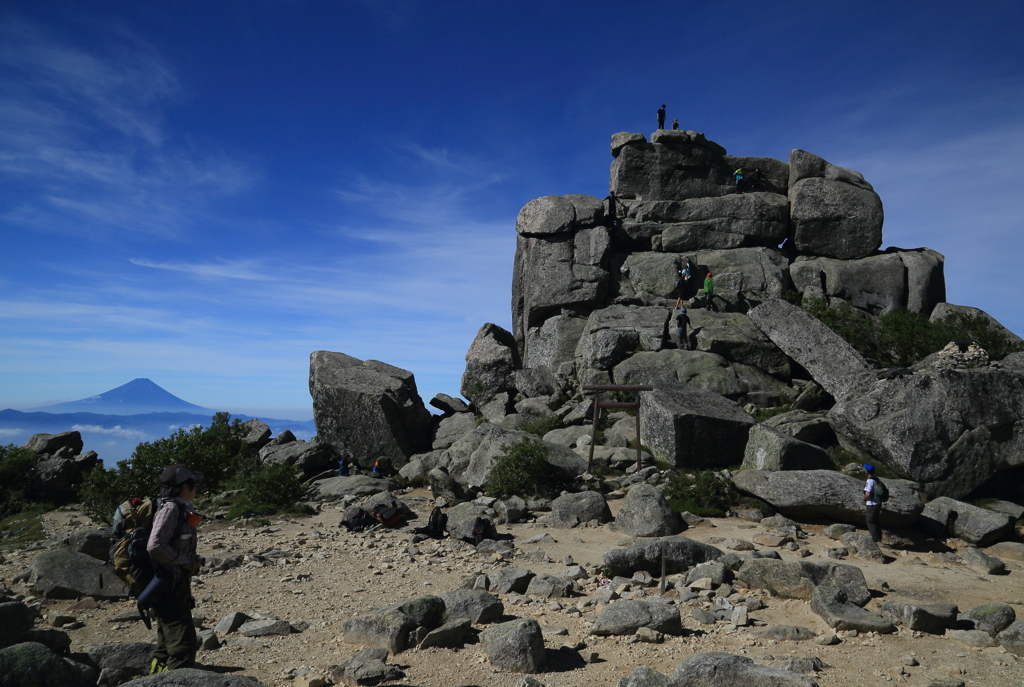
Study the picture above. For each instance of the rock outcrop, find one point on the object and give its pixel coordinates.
(368, 407)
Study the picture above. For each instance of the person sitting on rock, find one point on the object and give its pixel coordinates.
(675, 125)
(709, 290)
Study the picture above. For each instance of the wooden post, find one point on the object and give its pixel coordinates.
(639, 457)
(593, 433)
(662, 592)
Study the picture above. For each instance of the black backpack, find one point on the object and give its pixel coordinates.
(880, 493)
(481, 530)
(358, 521)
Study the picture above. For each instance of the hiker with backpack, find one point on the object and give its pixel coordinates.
(875, 494)
(682, 323)
(172, 549)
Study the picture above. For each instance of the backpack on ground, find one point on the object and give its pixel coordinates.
(133, 523)
(436, 524)
(359, 521)
(387, 514)
(880, 492)
(482, 528)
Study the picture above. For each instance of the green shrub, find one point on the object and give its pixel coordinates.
(270, 490)
(541, 425)
(520, 470)
(218, 452)
(705, 493)
(762, 414)
(901, 338)
(19, 486)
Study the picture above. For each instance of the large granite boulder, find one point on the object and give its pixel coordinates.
(833, 363)
(834, 212)
(769, 449)
(732, 221)
(15, 622)
(335, 488)
(52, 443)
(827, 494)
(646, 513)
(546, 215)
(312, 457)
(693, 370)
(33, 665)
(476, 605)
(679, 553)
(615, 332)
(516, 646)
(389, 627)
(1012, 638)
(121, 661)
(472, 457)
(675, 165)
(193, 677)
(944, 310)
(909, 280)
(836, 610)
(558, 272)
(257, 433)
(693, 428)
(931, 618)
(943, 517)
(491, 361)
(554, 342)
(812, 428)
(734, 337)
(626, 617)
(743, 277)
(461, 518)
(572, 509)
(368, 407)
(950, 430)
(92, 542)
(715, 669)
(799, 579)
(65, 574)
(453, 428)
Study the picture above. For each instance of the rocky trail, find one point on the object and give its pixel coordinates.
(315, 575)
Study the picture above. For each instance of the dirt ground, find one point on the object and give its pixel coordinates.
(330, 575)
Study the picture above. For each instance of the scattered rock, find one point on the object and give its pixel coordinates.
(476, 605)
(798, 579)
(64, 574)
(448, 635)
(33, 664)
(516, 646)
(931, 618)
(786, 633)
(992, 618)
(569, 510)
(646, 513)
(944, 517)
(834, 608)
(680, 554)
(627, 617)
(716, 669)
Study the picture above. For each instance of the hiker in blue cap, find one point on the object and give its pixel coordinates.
(873, 503)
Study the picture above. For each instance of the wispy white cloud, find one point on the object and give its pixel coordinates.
(11, 432)
(86, 128)
(117, 430)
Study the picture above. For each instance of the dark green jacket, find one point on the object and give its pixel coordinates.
(709, 286)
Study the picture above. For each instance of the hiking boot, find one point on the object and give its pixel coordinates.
(156, 666)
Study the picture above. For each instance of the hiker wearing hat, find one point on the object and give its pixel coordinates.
(682, 322)
(709, 289)
(172, 546)
(872, 506)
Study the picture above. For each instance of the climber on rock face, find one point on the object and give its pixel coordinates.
(612, 217)
(661, 117)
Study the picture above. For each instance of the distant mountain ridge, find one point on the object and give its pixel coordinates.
(134, 398)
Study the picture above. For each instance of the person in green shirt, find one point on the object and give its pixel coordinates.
(709, 289)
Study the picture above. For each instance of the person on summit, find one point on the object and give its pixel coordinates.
(661, 117)
(709, 290)
(682, 277)
(738, 176)
(675, 125)
(172, 546)
(873, 503)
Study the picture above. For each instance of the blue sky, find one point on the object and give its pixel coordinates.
(202, 193)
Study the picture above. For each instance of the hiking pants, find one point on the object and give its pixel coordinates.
(873, 516)
(176, 643)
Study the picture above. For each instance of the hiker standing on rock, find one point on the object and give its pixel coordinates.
(172, 546)
(709, 289)
(872, 507)
(682, 322)
(612, 218)
(661, 117)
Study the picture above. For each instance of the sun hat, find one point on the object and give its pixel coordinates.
(177, 474)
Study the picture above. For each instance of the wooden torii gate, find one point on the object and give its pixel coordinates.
(615, 404)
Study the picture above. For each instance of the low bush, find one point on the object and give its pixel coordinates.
(521, 470)
(703, 492)
(19, 486)
(541, 425)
